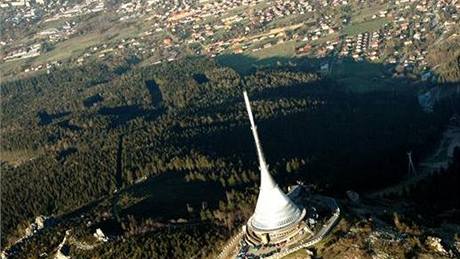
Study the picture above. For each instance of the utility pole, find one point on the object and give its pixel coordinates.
(411, 167)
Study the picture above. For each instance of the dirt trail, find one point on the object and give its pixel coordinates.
(445, 151)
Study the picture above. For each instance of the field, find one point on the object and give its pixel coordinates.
(369, 26)
(70, 47)
(18, 157)
(245, 63)
(119, 33)
(361, 76)
(285, 49)
(330, 37)
(366, 13)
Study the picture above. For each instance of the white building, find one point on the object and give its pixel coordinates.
(276, 217)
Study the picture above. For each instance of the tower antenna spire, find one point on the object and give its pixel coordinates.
(266, 178)
(254, 132)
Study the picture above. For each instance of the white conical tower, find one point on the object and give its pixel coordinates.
(274, 209)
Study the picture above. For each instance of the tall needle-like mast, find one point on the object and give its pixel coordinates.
(274, 209)
(266, 178)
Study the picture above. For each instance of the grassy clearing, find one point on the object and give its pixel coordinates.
(18, 157)
(285, 49)
(124, 32)
(361, 76)
(287, 21)
(240, 63)
(357, 28)
(360, 85)
(330, 37)
(70, 47)
(245, 63)
(361, 14)
(359, 69)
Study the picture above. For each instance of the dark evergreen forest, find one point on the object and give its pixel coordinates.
(172, 141)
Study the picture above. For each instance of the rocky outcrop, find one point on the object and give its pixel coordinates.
(434, 244)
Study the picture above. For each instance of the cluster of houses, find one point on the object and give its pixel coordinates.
(417, 25)
(255, 30)
(26, 52)
(48, 66)
(52, 35)
(33, 11)
(281, 9)
(71, 11)
(59, 33)
(405, 39)
(19, 3)
(364, 45)
(20, 11)
(173, 29)
(47, 10)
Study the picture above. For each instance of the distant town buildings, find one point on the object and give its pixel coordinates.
(397, 33)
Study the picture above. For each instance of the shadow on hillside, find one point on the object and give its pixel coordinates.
(351, 141)
(357, 140)
(122, 114)
(46, 118)
(246, 65)
(167, 197)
